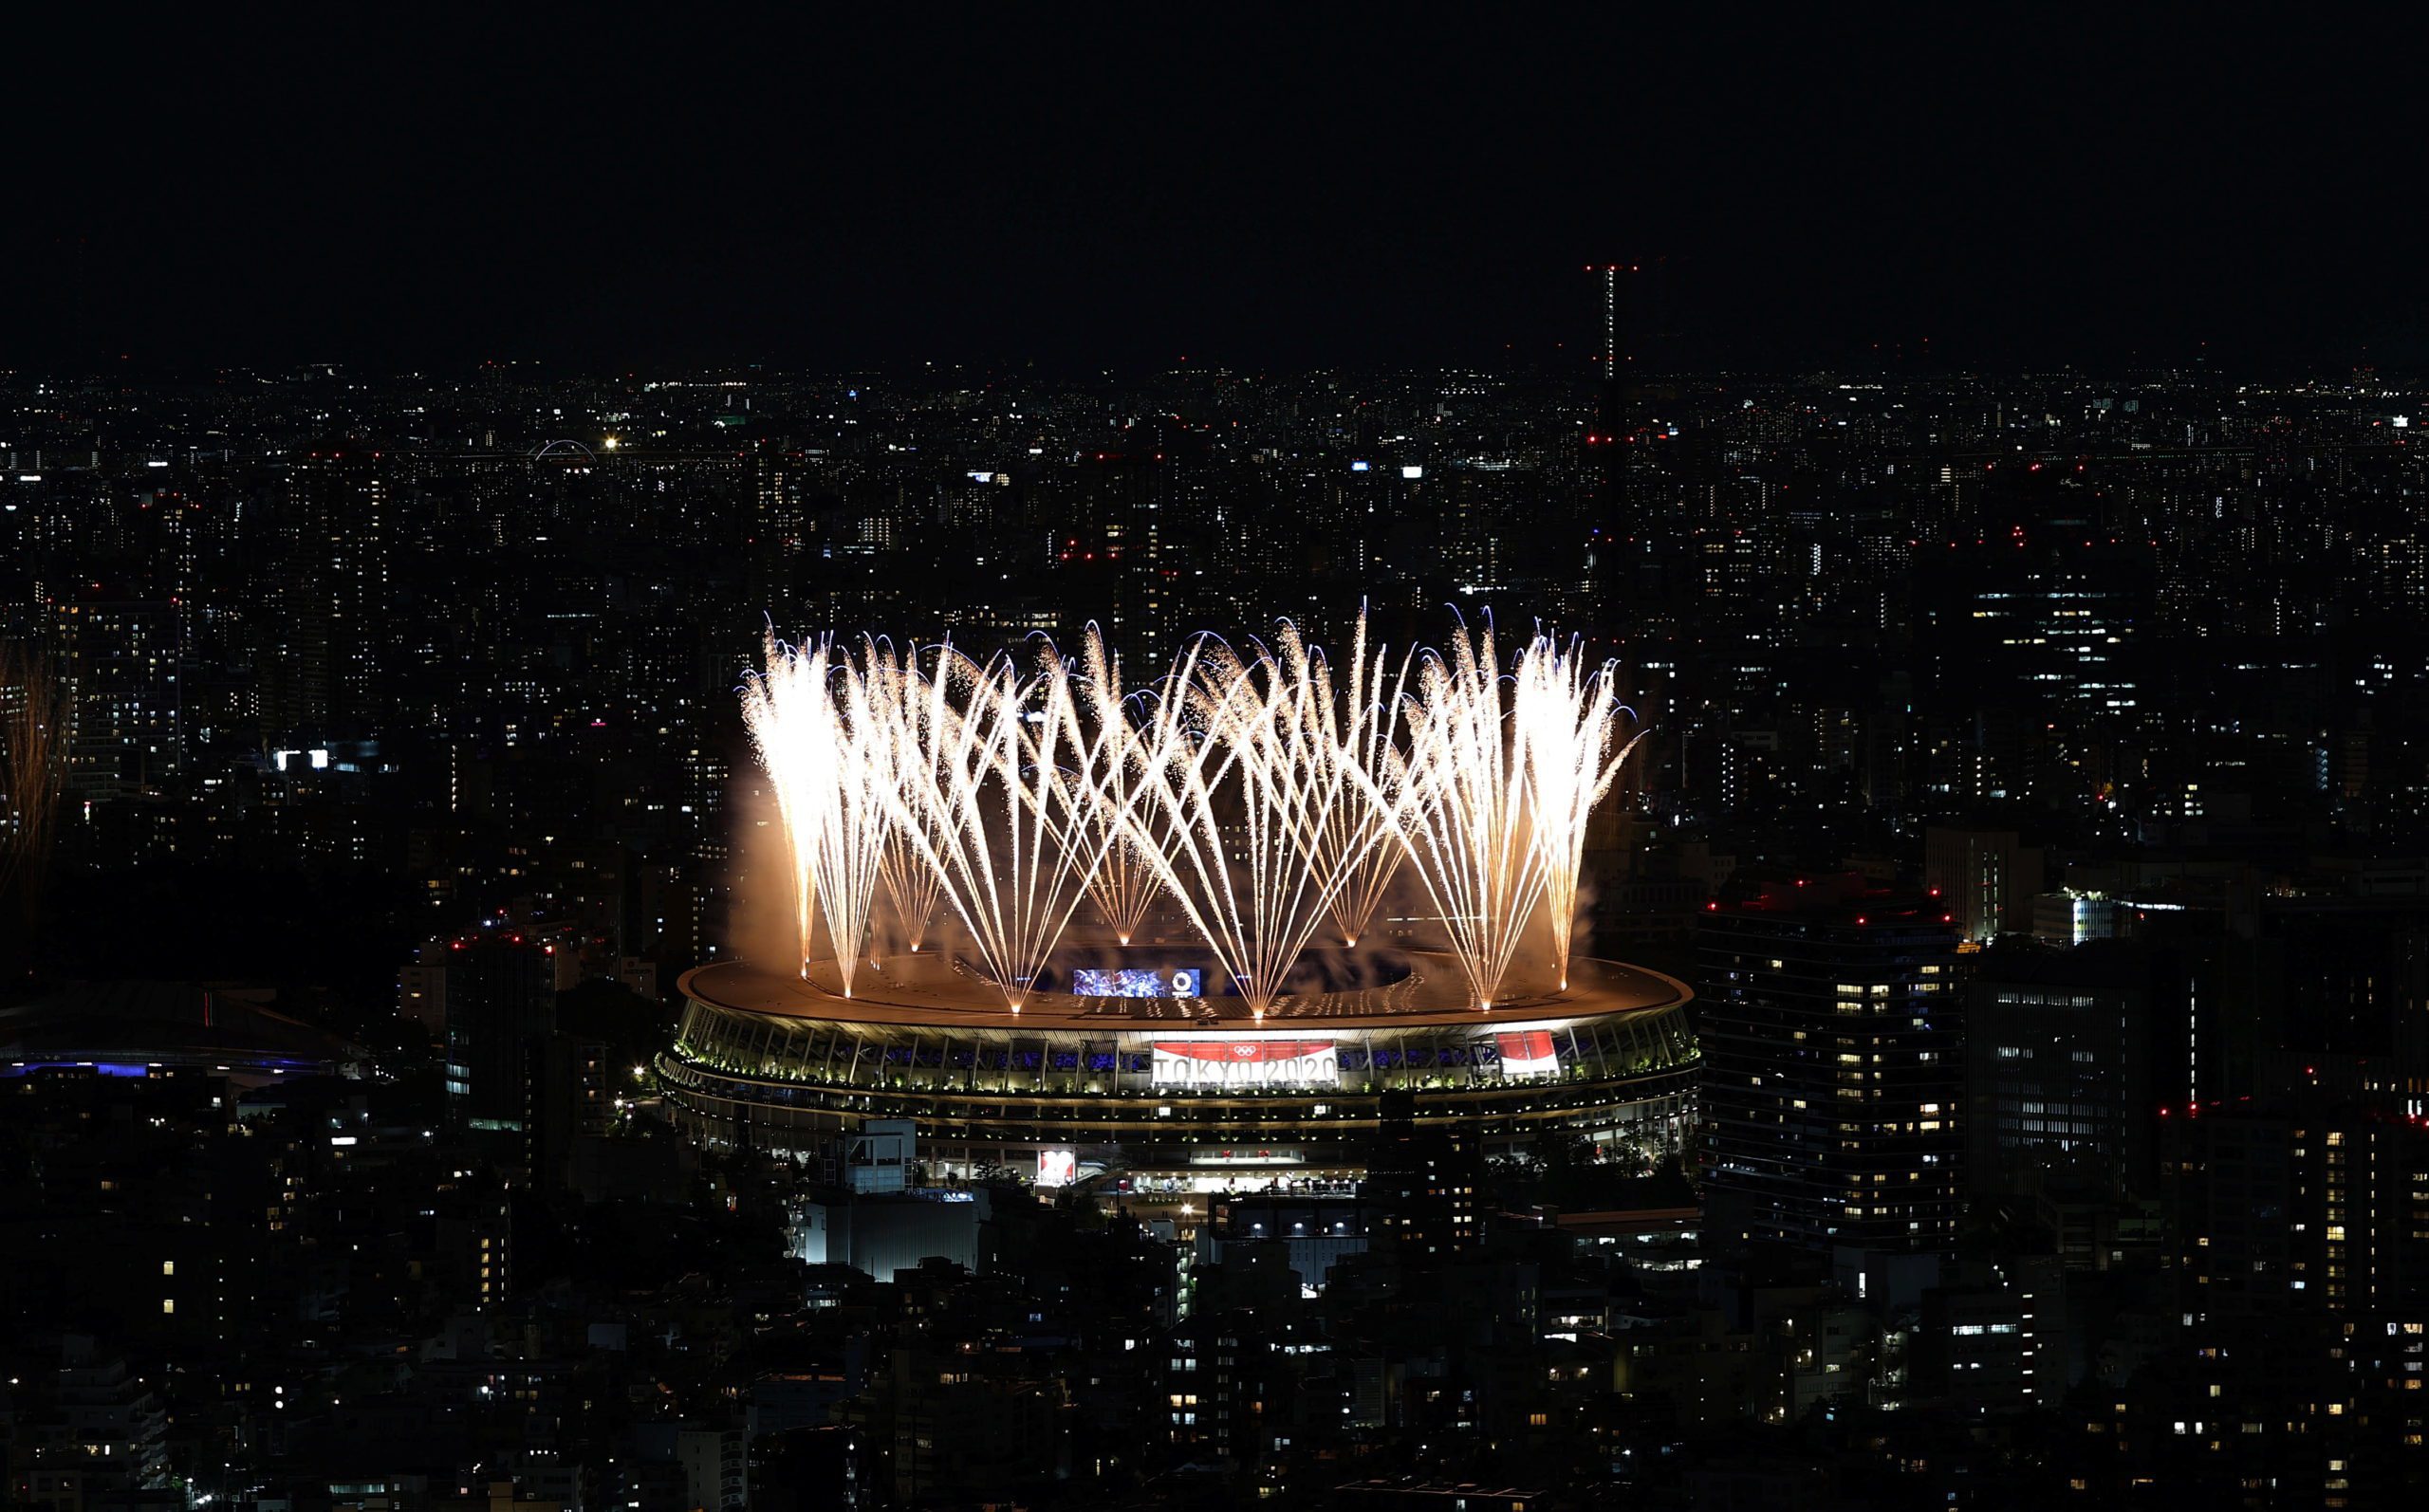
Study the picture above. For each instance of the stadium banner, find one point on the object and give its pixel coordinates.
(1246, 1064)
(1528, 1053)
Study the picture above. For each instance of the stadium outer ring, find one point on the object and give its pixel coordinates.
(783, 1063)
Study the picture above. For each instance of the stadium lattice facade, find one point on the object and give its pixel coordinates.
(1173, 1083)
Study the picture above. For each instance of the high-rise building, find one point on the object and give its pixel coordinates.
(1422, 1183)
(331, 595)
(1831, 1024)
(2061, 1068)
(1997, 1339)
(780, 524)
(573, 1103)
(501, 1009)
(1987, 877)
(122, 660)
(2305, 1203)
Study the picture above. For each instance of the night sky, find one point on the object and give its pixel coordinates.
(1251, 188)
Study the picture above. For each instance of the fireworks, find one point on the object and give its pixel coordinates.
(1564, 721)
(30, 748)
(1014, 835)
(1126, 883)
(1465, 817)
(1355, 850)
(911, 886)
(1252, 790)
(1240, 781)
(815, 724)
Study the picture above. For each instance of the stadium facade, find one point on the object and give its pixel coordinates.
(1185, 1088)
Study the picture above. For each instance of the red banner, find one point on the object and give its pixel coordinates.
(1528, 1053)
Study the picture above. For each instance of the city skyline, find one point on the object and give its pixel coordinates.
(1093, 760)
(2018, 887)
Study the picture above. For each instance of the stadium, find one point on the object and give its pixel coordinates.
(1069, 927)
(1185, 1091)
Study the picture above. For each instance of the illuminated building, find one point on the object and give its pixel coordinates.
(1987, 878)
(327, 655)
(155, 1031)
(1830, 1022)
(1189, 1085)
(2062, 1067)
(1998, 1342)
(2304, 1204)
(1423, 1183)
(122, 660)
(2051, 608)
(1316, 1231)
(501, 1009)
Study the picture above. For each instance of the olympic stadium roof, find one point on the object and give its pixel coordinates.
(935, 991)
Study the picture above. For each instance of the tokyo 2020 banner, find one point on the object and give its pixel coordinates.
(1246, 1064)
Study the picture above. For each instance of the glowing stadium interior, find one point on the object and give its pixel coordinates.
(1171, 1083)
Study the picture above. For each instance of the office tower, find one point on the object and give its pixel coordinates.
(501, 1009)
(573, 1103)
(2062, 1069)
(2304, 1203)
(329, 592)
(122, 659)
(1997, 1339)
(1986, 877)
(1832, 1026)
(780, 526)
(421, 988)
(2048, 608)
(1421, 1183)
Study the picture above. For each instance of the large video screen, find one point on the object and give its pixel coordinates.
(1138, 982)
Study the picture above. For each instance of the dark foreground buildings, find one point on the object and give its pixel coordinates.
(1833, 1033)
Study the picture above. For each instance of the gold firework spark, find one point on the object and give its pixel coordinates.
(1355, 853)
(1252, 790)
(1463, 812)
(911, 887)
(782, 701)
(1013, 835)
(1126, 883)
(1243, 779)
(829, 760)
(1565, 722)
